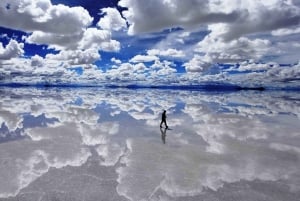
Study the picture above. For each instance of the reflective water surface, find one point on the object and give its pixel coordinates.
(95, 144)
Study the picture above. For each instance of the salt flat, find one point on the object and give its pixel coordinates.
(106, 144)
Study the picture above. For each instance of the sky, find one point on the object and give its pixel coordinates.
(150, 42)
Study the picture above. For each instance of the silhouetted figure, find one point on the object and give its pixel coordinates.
(164, 119)
(163, 134)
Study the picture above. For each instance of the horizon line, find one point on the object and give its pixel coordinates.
(196, 87)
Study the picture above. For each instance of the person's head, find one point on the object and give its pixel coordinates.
(164, 111)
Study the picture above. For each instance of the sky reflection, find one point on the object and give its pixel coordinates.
(85, 144)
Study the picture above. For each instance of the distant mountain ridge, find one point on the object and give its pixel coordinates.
(198, 87)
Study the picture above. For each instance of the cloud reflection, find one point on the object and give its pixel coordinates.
(217, 139)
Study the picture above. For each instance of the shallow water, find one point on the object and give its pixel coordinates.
(97, 144)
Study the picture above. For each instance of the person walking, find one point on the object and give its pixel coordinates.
(164, 119)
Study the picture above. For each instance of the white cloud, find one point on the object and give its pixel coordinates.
(182, 36)
(242, 18)
(157, 15)
(62, 28)
(140, 67)
(41, 15)
(36, 70)
(56, 41)
(76, 57)
(235, 31)
(249, 66)
(4, 35)
(110, 46)
(269, 75)
(36, 60)
(127, 72)
(283, 32)
(143, 58)
(172, 53)
(213, 32)
(261, 16)
(161, 64)
(116, 61)
(112, 20)
(241, 49)
(196, 64)
(165, 71)
(162, 72)
(91, 38)
(79, 49)
(12, 49)
(98, 39)
(287, 50)
(284, 73)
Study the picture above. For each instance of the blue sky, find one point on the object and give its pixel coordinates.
(249, 43)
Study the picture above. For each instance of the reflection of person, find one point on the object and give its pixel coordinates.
(164, 119)
(163, 134)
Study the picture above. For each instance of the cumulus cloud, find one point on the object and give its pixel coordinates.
(200, 34)
(282, 32)
(158, 15)
(127, 72)
(251, 66)
(62, 28)
(215, 50)
(37, 60)
(112, 20)
(41, 15)
(12, 49)
(91, 38)
(196, 64)
(270, 75)
(56, 41)
(171, 53)
(76, 57)
(116, 61)
(158, 64)
(158, 68)
(241, 49)
(284, 73)
(232, 28)
(37, 70)
(58, 27)
(262, 16)
(248, 17)
(79, 49)
(99, 39)
(143, 58)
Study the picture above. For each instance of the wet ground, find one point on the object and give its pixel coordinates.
(106, 144)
